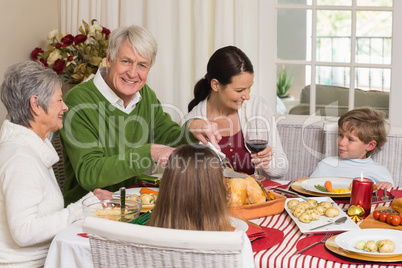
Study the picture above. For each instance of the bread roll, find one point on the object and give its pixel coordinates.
(397, 205)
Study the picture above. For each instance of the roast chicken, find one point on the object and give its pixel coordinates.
(244, 191)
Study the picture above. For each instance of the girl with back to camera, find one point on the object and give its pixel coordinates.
(192, 195)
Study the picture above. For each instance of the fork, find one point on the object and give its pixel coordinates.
(290, 183)
(323, 240)
(385, 198)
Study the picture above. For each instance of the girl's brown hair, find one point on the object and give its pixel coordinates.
(367, 124)
(192, 192)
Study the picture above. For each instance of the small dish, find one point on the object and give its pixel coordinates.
(238, 224)
(348, 240)
(333, 247)
(110, 209)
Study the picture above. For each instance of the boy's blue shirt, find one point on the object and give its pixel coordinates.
(352, 168)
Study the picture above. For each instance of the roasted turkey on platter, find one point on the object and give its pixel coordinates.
(246, 191)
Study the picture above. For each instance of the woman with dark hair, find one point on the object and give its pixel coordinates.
(223, 96)
(193, 195)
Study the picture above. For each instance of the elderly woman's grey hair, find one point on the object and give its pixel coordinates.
(141, 40)
(21, 82)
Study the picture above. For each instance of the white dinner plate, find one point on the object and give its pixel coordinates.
(238, 224)
(305, 228)
(136, 191)
(348, 240)
(337, 182)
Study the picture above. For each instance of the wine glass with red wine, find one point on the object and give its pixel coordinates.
(256, 140)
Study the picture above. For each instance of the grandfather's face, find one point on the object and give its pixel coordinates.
(127, 72)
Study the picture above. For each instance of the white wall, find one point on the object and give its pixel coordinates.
(24, 26)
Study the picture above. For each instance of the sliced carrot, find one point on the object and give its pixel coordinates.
(328, 186)
(270, 195)
(145, 190)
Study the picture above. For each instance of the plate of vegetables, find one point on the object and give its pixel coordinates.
(328, 185)
(372, 242)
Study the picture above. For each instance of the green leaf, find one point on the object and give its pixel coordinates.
(86, 26)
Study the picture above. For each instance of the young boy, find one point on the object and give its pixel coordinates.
(361, 133)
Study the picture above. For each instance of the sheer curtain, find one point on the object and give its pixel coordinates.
(188, 32)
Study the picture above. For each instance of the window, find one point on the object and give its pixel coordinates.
(338, 53)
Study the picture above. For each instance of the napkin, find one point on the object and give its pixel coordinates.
(396, 193)
(254, 232)
(320, 251)
(83, 235)
(267, 183)
(272, 237)
(380, 193)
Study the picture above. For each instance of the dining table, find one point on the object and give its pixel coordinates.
(71, 247)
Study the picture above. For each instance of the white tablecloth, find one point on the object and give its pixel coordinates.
(69, 250)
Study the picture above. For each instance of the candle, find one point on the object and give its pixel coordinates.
(362, 191)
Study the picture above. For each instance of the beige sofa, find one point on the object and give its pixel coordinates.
(308, 139)
(334, 100)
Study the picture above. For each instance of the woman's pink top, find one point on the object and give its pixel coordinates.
(235, 150)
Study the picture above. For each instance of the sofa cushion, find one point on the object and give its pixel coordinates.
(326, 95)
(328, 110)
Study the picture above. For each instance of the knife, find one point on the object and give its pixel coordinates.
(291, 193)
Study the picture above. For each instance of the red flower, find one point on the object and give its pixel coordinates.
(80, 38)
(44, 62)
(59, 66)
(35, 52)
(67, 40)
(58, 46)
(70, 58)
(106, 31)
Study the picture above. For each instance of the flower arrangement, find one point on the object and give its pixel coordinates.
(75, 58)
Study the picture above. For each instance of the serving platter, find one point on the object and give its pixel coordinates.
(297, 186)
(332, 246)
(348, 240)
(305, 228)
(136, 191)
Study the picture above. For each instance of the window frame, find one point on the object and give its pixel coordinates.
(396, 56)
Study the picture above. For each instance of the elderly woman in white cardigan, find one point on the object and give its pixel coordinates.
(31, 204)
(222, 97)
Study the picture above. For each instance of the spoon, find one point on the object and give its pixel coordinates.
(338, 221)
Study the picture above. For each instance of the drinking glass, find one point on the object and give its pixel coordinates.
(256, 139)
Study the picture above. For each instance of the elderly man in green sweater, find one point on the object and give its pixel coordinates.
(115, 128)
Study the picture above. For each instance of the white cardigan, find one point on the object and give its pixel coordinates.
(31, 204)
(256, 106)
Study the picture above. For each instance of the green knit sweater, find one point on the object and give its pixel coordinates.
(107, 148)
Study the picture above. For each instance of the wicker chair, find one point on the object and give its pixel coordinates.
(58, 168)
(118, 244)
